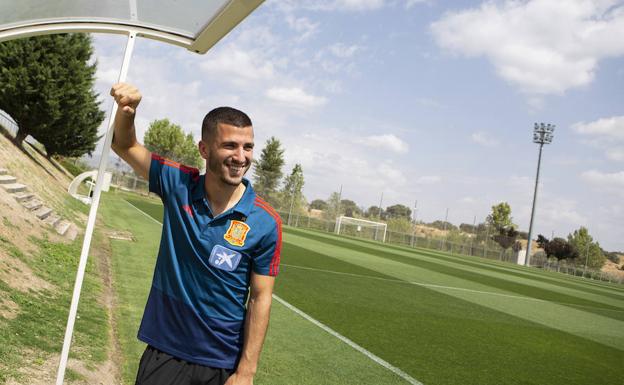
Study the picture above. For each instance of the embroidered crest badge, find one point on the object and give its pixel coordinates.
(237, 233)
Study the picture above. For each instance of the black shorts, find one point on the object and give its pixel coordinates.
(159, 368)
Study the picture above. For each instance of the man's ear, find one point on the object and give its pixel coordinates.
(203, 149)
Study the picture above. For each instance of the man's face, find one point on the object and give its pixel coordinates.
(228, 155)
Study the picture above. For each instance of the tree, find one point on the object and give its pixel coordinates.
(168, 140)
(612, 256)
(500, 220)
(47, 88)
(542, 241)
(586, 248)
(457, 237)
(399, 211)
(334, 209)
(373, 212)
(350, 208)
(442, 225)
(483, 232)
(560, 249)
(400, 225)
(292, 192)
(506, 237)
(268, 170)
(318, 204)
(468, 228)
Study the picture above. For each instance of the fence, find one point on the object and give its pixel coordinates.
(484, 249)
(129, 182)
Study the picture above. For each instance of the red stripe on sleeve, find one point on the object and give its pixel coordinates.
(185, 169)
(275, 260)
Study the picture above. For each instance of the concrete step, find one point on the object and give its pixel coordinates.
(32, 204)
(3, 171)
(43, 212)
(52, 220)
(7, 179)
(72, 233)
(68, 229)
(14, 188)
(62, 227)
(23, 197)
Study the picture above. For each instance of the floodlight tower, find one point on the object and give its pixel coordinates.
(542, 134)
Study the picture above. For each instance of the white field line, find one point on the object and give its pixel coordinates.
(143, 212)
(449, 288)
(342, 338)
(347, 341)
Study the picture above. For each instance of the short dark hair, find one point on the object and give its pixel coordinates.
(224, 115)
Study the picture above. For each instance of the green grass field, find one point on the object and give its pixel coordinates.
(440, 318)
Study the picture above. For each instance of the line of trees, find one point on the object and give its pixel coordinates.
(267, 178)
(498, 227)
(579, 248)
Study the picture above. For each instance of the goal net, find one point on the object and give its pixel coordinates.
(361, 228)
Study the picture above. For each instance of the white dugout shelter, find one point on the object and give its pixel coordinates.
(196, 25)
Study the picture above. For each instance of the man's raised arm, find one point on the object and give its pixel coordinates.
(125, 143)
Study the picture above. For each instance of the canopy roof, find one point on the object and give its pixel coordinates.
(194, 24)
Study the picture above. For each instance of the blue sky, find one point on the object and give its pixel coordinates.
(432, 101)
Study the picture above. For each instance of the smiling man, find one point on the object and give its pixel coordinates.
(208, 308)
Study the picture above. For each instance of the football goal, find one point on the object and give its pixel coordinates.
(361, 228)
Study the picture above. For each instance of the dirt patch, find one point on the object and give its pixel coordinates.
(109, 370)
(35, 171)
(36, 371)
(20, 276)
(44, 371)
(8, 308)
(17, 225)
(429, 232)
(120, 235)
(614, 269)
(102, 375)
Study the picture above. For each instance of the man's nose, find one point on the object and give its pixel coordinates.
(239, 155)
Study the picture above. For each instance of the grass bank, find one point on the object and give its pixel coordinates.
(36, 332)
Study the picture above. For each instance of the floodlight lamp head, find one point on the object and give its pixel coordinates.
(543, 133)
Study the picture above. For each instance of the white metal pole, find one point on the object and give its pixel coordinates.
(91, 221)
(443, 236)
(527, 260)
(380, 202)
(474, 232)
(292, 202)
(414, 225)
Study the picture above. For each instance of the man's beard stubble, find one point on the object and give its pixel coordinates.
(214, 165)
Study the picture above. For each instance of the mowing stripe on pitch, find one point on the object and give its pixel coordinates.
(342, 338)
(448, 287)
(143, 212)
(347, 341)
